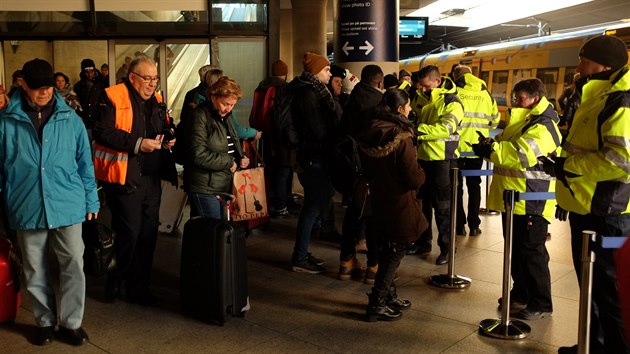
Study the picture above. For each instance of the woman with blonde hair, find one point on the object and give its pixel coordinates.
(213, 153)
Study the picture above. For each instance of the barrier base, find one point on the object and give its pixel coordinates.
(450, 281)
(488, 212)
(514, 329)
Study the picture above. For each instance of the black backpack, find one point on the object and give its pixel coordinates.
(282, 120)
(345, 167)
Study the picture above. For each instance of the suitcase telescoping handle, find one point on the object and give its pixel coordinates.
(225, 199)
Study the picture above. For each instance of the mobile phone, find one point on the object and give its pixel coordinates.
(159, 138)
(480, 135)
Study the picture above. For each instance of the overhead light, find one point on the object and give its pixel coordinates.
(453, 12)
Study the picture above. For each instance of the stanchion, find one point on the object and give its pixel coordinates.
(586, 281)
(504, 328)
(584, 322)
(450, 280)
(486, 210)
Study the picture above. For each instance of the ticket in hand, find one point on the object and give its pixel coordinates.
(159, 138)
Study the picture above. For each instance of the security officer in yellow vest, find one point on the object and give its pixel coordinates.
(593, 179)
(480, 116)
(531, 135)
(132, 154)
(437, 154)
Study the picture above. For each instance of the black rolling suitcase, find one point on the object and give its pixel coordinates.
(213, 273)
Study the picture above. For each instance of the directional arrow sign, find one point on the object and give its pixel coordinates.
(346, 47)
(367, 47)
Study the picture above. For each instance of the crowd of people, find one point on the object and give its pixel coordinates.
(411, 129)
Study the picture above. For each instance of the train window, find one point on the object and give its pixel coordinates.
(549, 77)
(499, 87)
(520, 75)
(485, 76)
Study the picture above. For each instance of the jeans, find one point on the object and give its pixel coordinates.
(205, 205)
(317, 193)
(67, 244)
(436, 195)
(607, 327)
(473, 185)
(282, 184)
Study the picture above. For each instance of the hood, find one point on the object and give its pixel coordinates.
(384, 135)
(471, 82)
(14, 109)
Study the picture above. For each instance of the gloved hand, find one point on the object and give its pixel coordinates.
(555, 168)
(561, 214)
(482, 150)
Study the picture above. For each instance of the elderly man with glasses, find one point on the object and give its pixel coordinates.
(133, 135)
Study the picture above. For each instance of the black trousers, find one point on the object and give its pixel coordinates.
(530, 262)
(436, 195)
(607, 328)
(350, 234)
(135, 220)
(473, 185)
(389, 257)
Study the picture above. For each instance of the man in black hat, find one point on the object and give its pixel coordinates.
(592, 179)
(49, 188)
(88, 90)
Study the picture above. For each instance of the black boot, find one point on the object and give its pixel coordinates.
(395, 303)
(112, 288)
(377, 309)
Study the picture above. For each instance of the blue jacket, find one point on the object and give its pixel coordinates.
(49, 184)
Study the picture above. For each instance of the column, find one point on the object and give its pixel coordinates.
(309, 30)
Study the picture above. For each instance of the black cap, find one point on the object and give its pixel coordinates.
(390, 80)
(87, 64)
(337, 71)
(38, 73)
(606, 50)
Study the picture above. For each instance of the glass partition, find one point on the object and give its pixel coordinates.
(499, 87)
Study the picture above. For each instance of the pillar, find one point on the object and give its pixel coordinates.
(309, 30)
(366, 32)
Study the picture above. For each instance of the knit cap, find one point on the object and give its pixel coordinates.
(279, 68)
(87, 64)
(314, 63)
(606, 50)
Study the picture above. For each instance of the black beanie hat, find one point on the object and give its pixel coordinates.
(337, 71)
(87, 63)
(606, 50)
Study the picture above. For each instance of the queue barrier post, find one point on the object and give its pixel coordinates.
(450, 280)
(586, 280)
(504, 328)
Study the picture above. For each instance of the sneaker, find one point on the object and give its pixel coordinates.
(362, 246)
(475, 232)
(532, 315)
(281, 213)
(307, 267)
(351, 269)
(515, 305)
(314, 260)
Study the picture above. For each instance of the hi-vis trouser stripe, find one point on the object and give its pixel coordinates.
(108, 156)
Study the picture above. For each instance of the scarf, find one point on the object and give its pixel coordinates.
(323, 91)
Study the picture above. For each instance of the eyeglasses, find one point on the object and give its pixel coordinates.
(520, 99)
(147, 79)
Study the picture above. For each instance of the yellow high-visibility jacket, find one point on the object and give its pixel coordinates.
(438, 121)
(480, 111)
(531, 134)
(597, 149)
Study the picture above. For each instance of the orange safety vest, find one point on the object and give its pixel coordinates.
(110, 165)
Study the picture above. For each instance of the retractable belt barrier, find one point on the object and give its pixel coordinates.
(450, 280)
(504, 328)
(586, 289)
(473, 173)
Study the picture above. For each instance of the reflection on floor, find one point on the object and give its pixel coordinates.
(301, 313)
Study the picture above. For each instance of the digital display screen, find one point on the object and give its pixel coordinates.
(413, 28)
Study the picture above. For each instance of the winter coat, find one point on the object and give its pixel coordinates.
(207, 170)
(389, 158)
(47, 184)
(362, 99)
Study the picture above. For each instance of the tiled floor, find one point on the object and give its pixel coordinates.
(301, 313)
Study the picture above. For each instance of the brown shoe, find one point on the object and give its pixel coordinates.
(351, 269)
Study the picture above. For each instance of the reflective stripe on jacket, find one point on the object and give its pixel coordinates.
(529, 135)
(437, 131)
(110, 165)
(480, 111)
(597, 148)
